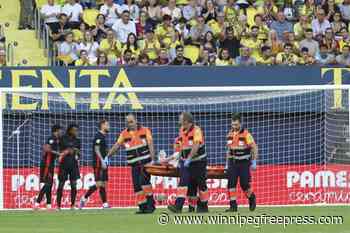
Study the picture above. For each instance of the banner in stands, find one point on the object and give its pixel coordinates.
(296, 184)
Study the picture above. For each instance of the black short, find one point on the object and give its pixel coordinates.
(69, 173)
(100, 174)
(46, 174)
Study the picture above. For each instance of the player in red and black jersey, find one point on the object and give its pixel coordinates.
(50, 152)
(69, 163)
(100, 165)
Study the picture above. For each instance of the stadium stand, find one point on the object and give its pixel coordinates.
(221, 32)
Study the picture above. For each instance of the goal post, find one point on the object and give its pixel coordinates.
(302, 133)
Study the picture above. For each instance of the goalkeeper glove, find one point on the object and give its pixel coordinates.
(187, 162)
(253, 165)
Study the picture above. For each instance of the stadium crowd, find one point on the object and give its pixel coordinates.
(199, 32)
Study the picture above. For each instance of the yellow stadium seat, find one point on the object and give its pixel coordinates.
(191, 52)
(89, 16)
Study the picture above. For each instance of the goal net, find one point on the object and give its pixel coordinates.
(302, 134)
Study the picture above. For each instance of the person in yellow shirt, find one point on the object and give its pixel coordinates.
(151, 45)
(224, 59)
(83, 60)
(266, 57)
(111, 46)
(78, 34)
(218, 26)
(231, 12)
(253, 43)
(165, 31)
(301, 26)
(131, 44)
(268, 11)
(345, 39)
(263, 29)
(306, 58)
(287, 57)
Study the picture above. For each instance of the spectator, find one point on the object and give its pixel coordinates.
(153, 9)
(60, 29)
(209, 11)
(78, 34)
(337, 24)
(68, 51)
(150, 45)
(324, 57)
(231, 12)
(287, 57)
(306, 58)
(163, 58)
(144, 60)
(100, 30)
(131, 44)
(268, 11)
(74, 11)
(245, 59)
(209, 38)
(330, 9)
(165, 31)
(308, 9)
(122, 27)
(301, 26)
(26, 15)
(344, 57)
(231, 43)
(345, 38)
(134, 10)
(263, 30)
(50, 12)
(320, 24)
(219, 25)
(90, 47)
(102, 59)
(180, 60)
(253, 43)
(266, 56)
(309, 43)
(111, 46)
(199, 30)
(145, 23)
(330, 42)
(345, 11)
(224, 59)
(128, 58)
(84, 59)
(172, 10)
(111, 11)
(274, 43)
(203, 59)
(191, 10)
(281, 25)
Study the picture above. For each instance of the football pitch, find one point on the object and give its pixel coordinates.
(125, 221)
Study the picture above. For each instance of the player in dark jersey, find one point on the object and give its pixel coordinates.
(69, 163)
(100, 165)
(47, 165)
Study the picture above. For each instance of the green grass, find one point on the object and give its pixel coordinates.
(125, 221)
